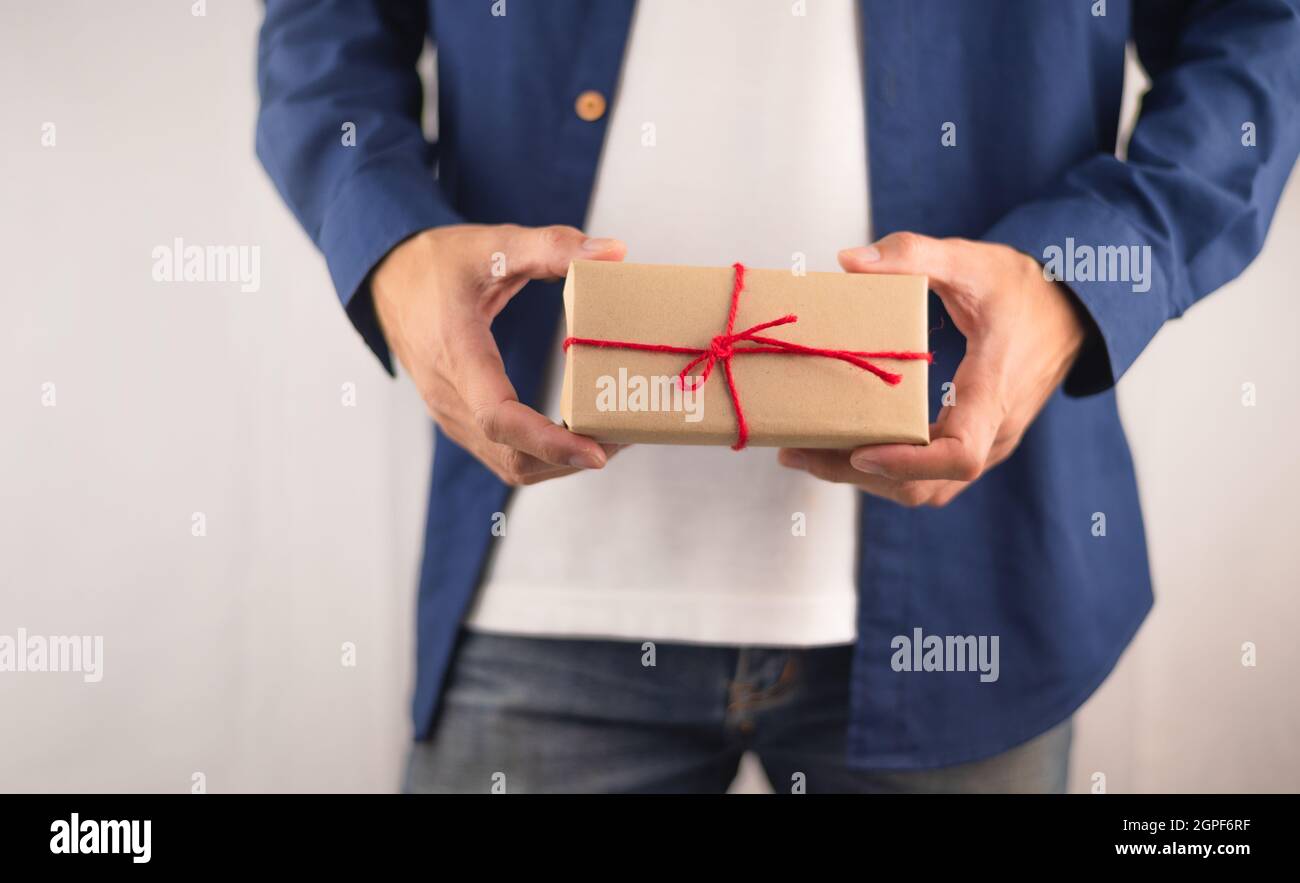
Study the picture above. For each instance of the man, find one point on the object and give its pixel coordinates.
(635, 622)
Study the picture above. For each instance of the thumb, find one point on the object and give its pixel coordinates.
(956, 269)
(911, 253)
(546, 252)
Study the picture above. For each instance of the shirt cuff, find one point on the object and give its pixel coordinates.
(379, 207)
(1124, 297)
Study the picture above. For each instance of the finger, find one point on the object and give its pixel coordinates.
(481, 380)
(962, 437)
(533, 464)
(546, 252)
(835, 466)
(948, 492)
(457, 423)
(510, 465)
(456, 420)
(959, 271)
(515, 467)
(448, 410)
(942, 260)
(517, 426)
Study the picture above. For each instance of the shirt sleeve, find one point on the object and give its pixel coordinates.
(1211, 153)
(339, 133)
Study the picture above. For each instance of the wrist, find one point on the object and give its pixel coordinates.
(1067, 321)
(1075, 322)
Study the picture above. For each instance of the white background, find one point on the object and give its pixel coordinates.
(223, 652)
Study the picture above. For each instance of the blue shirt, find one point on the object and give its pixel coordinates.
(1033, 92)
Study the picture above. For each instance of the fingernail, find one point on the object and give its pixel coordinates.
(863, 463)
(866, 254)
(793, 459)
(586, 461)
(599, 245)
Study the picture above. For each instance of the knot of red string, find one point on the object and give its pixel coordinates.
(722, 348)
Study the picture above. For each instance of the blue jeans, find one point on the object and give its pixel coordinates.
(556, 715)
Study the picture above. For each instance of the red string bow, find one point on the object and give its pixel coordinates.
(722, 348)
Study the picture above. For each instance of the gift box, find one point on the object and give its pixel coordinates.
(663, 354)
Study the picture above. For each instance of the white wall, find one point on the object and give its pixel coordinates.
(222, 652)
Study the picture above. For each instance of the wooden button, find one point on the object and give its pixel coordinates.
(590, 105)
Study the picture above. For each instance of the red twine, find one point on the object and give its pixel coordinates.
(723, 349)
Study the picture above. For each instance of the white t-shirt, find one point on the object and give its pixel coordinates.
(738, 134)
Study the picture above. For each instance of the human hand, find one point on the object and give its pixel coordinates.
(1022, 332)
(436, 295)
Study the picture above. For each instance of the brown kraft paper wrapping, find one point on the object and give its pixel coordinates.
(789, 400)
